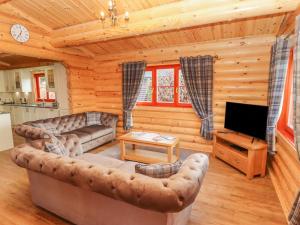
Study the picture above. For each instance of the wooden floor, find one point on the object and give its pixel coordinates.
(226, 198)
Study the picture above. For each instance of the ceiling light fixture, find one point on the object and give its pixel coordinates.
(112, 13)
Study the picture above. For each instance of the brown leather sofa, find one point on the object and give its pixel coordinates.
(89, 136)
(91, 189)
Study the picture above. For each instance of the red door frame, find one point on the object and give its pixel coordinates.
(38, 93)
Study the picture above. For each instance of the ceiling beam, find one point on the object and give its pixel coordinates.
(4, 63)
(170, 16)
(28, 17)
(287, 26)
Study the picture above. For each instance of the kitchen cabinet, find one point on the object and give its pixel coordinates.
(21, 114)
(29, 114)
(9, 81)
(18, 113)
(2, 82)
(26, 81)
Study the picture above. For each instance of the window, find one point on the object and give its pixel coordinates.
(164, 86)
(285, 123)
(42, 94)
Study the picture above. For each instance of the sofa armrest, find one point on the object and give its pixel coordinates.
(110, 120)
(70, 141)
(30, 132)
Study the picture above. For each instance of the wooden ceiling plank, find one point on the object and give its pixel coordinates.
(4, 1)
(29, 17)
(86, 51)
(92, 31)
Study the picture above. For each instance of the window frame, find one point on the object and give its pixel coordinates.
(37, 86)
(154, 102)
(283, 125)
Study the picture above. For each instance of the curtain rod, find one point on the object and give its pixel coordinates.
(149, 63)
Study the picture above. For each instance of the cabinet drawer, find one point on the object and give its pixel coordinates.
(232, 157)
(238, 162)
(220, 152)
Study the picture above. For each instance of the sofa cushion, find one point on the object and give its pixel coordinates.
(101, 160)
(158, 170)
(50, 128)
(83, 136)
(93, 118)
(97, 131)
(56, 146)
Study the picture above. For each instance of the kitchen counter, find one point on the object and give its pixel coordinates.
(31, 105)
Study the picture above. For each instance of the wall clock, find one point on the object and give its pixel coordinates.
(20, 33)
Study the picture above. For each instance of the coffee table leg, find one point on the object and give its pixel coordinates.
(133, 146)
(123, 150)
(177, 152)
(170, 153)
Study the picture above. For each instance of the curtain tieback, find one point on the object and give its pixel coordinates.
(205, 118)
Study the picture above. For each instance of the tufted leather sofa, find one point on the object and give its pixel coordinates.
(75, 124)
(107, 194)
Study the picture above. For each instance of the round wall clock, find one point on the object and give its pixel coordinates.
(19, 33)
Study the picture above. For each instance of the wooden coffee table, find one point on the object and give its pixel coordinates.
(156, 140)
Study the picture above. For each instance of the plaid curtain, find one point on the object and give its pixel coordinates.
(198, 77)
(296, 85)
(133, 74)
(278, 69)
(294, 216)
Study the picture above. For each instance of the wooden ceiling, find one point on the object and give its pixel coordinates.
(8, 61)
(246, 27)
(152, 24)
(56, 14)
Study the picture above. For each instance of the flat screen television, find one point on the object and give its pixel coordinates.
(247, 119)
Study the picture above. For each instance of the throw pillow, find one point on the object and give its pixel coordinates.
(159, 170)
(55, 146)
(93, 118)
(50, 128)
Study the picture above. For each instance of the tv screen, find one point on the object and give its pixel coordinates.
(247, 119)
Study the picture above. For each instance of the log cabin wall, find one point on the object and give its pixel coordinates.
(284, 171)
(240, 74)
(78, 64)
(81, 87)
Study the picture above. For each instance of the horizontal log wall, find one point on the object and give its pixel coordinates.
(240, 75)
(81, 86)
(284, 171)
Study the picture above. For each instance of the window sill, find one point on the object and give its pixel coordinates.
(163, 109)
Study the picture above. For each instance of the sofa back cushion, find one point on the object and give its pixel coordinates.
(56, 146)
(93, 118)
(49, 128)
(158, 170)
(63, 124)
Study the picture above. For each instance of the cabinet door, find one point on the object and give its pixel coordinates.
(27, 113)
(53, 113)
(26, 84)
(19, 115)
(2, 82)
(9, 81)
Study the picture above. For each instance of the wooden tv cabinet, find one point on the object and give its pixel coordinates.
(239, 151)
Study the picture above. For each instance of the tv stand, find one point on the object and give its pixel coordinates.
(245, 153)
